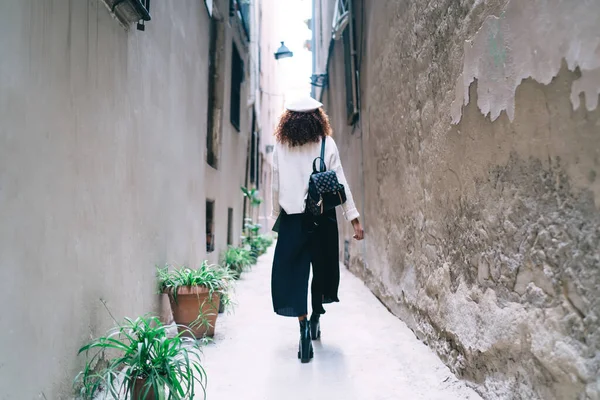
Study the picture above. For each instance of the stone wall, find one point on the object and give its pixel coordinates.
(482, 235)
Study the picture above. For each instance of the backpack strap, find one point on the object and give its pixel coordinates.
(323, 166)
(322, 158)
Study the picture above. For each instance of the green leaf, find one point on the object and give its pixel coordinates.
(141, 349)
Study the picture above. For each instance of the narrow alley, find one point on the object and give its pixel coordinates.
(364, 352)
(149, 148)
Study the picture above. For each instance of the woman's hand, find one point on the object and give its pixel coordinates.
(359, 233)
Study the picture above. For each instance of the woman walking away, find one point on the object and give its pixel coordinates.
(306, 219)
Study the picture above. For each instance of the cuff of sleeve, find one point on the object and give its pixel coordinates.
(351, 214)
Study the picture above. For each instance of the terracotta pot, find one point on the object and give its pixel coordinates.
(139, 390)
(190, 300)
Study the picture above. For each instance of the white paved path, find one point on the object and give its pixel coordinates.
(365, 352)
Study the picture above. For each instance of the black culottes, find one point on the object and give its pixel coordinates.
(304, 240)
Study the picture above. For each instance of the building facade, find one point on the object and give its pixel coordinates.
(120, 150)
(469, 133)
(231, 122)
(271, 95)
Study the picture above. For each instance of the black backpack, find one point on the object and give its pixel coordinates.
(324, 190)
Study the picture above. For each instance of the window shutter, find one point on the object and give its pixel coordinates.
(237, 76)
(350, 76)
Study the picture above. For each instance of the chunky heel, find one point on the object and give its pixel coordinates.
(315, 327)
(306, 354)
(305, 349)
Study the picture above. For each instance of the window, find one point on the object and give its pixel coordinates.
(213, 131)
(350, 75)
(230, 226)
(344, 27)
(255, 160)
(237, 76)
(210, 226)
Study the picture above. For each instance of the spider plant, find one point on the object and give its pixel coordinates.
(263, 242)
(237, 260)
(146, 362)
(183, 283)
(258, 244)
(213, 277)
(250, 228)
(253, 195)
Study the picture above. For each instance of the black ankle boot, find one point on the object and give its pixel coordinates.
(315, 326)
(305, 349)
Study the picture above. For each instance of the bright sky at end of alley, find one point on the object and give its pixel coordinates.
(295, 33)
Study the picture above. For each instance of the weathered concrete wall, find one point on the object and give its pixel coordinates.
(483, 236)
(102, 175)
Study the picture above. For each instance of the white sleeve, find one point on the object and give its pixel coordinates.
(350, 211)
(275, 186)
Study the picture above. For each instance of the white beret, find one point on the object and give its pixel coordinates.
(303, 104)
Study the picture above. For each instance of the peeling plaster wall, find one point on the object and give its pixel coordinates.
(482, 235)
(506, 50)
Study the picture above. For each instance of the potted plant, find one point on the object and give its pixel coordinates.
(237, 260)
(251, 230)
(262, 243)
(195, 295)
(258, 244)
(253, 195)
(255, 200)
(146, 363)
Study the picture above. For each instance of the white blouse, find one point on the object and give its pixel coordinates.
(292, 167)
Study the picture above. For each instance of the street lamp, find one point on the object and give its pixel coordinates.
(283, 52)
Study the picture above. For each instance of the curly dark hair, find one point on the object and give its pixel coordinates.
(298, 128)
